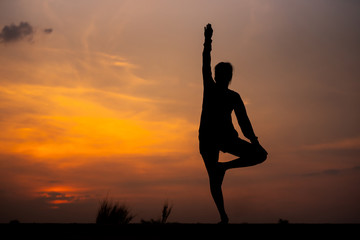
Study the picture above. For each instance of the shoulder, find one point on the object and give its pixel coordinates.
(234, 95)
(236, 98)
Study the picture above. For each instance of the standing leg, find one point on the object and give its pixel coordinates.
(216, 175)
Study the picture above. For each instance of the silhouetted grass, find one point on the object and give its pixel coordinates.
(165, 212)
(113, 213)
(164, 216)
(283, 221)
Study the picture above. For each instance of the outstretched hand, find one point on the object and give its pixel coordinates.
(208, 31)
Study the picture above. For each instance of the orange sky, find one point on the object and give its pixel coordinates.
(107, 101)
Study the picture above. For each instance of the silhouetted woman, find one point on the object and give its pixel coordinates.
(216, 131)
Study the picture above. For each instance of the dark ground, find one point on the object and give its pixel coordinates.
(179, 231)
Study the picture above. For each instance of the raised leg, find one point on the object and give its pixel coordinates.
(242, 162)
(249, 155)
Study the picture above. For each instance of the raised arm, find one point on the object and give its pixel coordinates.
(206, 69)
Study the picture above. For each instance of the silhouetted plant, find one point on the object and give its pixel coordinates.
(165, 212)
(164, 216)
(283, 221)
(113, 213)
(15, 221)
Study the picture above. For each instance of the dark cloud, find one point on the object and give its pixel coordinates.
(48, 30)
(14, 32)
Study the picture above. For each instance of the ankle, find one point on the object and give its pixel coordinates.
(224, 220)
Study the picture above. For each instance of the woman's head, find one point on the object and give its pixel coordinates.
(223, 74)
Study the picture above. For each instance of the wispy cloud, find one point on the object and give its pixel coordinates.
(342, 144)
(332, 171)
(56, 196)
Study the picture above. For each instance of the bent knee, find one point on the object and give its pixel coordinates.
(261, 157)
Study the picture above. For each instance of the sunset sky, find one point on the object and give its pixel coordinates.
(103, 98)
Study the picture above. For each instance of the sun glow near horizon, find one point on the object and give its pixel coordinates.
(72, 124)
(68, 128)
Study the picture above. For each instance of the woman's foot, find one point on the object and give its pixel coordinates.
(224, 220)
